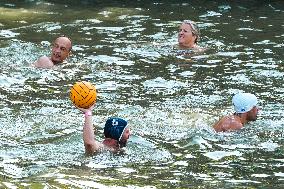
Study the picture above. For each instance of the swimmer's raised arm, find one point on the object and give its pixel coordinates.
(90, 143)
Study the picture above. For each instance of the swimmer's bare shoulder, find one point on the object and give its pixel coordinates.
(43, 62)
(199, 49)
(99, 147)
(228, 123)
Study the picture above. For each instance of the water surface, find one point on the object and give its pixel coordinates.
(171, 100)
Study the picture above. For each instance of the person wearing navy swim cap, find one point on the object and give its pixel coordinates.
(116, 132)
(246, 109)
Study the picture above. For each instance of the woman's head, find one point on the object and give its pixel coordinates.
(188, 34)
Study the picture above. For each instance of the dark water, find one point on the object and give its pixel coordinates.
(171, 101)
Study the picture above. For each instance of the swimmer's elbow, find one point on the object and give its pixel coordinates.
(88, 151)
(90, 146)
(218, 129)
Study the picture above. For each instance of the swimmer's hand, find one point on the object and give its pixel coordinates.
(90, 109)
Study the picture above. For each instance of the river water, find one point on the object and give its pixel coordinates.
(171, 100)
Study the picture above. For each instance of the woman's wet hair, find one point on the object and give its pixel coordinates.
(195, 29)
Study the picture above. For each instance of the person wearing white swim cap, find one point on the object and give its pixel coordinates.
(246, 109)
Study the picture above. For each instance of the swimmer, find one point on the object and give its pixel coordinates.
(61, 49)
(188, 35)
(116, 132)
(245, 105)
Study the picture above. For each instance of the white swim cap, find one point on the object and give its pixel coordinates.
(244, 102)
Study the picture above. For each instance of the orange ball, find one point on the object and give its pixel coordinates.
(83, 94)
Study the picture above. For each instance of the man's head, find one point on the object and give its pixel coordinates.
(246, 103)
(61, 49)
(117, 129)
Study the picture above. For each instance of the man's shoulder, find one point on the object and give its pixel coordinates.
(43, 62)
(225, 119)
(227, 123)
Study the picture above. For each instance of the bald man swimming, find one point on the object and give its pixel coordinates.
(60, 51)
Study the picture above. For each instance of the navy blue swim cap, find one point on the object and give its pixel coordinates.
(114, 128)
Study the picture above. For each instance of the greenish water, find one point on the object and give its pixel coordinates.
(171, 101)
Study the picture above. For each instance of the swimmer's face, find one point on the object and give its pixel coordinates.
(60, 50)
(185, 36)
(125, 137)
(252, 114)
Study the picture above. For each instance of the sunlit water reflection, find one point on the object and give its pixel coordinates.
(171, 98)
